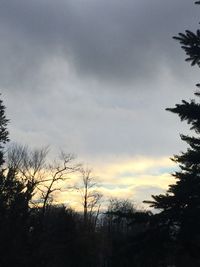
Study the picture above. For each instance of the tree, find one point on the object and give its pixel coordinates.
(40, 179)
(125, 227)
(3, 130)
(13, 208)
(90, 197)
(180, 206)
(119, 215)
(28, 166)
(57, 172)
(4, 193)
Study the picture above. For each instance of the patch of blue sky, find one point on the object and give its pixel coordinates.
(114, 186)
(164, 170)
(155, 171)
(126, 174)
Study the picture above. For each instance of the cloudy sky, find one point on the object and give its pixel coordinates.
(93, 77)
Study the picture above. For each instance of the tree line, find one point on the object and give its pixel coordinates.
(36, 232)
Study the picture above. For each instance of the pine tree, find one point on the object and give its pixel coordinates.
(3, 130)
(180, 206)
(13, 208)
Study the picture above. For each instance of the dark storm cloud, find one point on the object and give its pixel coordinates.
(107, 40)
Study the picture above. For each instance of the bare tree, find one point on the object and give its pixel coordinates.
(29, 166)
(90, 196)
(119, 214)
(40, 179)
(57, 172)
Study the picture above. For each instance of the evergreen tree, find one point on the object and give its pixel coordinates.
(180, 206)
(3, 130)
(14, 211)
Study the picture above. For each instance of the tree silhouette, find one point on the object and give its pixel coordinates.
(13, 208)
(3, 130)
(90, 197)
(180, 206)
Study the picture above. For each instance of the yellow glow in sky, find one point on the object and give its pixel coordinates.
(136, 179)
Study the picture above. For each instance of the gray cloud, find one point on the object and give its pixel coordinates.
(113, 41)
(142, 193)
(95, 76)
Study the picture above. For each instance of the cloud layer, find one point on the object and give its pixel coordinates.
(94, 77)
(115, 41)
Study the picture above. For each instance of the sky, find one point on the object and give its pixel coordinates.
(93, 78)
